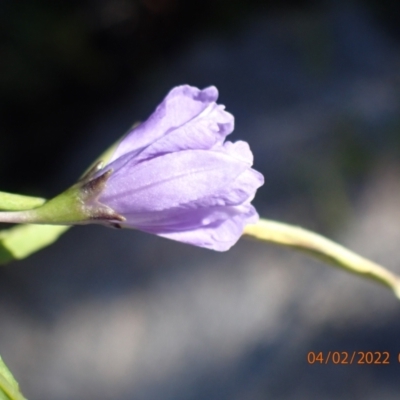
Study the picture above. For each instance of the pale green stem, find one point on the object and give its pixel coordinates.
(20, 217)
(323, 248)
(9, 390)
(16, 202)
(76, 205)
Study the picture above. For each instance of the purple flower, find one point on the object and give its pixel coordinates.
(174, 175)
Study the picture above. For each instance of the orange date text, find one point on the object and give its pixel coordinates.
(349, 357)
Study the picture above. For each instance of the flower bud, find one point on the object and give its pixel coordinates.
(174, 176)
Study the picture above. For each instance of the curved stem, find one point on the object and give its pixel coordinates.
(16, 202)
(323, 248)
(9, 390)
(19, 217)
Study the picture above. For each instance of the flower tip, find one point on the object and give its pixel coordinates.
(209, 94)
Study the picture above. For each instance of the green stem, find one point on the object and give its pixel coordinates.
(19, 217)
(9, 390)
(323, 248)
(16, 202)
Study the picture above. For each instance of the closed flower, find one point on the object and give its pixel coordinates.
(174, 176)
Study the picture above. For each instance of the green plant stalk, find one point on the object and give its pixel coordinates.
(322, 248)
(9, 390)
(16, 202)
(57, 211)
(77, 205)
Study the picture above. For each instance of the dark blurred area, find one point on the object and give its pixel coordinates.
(62, 62)
(315, 90)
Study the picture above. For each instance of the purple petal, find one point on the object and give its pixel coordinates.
(174, 175)
(239, 150)
(217, 228)
(203, 132)
(180, 106)
(219, 235)
(171, 180)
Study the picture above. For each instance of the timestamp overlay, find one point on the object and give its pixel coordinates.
(352, 357)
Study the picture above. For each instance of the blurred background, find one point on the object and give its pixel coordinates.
(104, 314)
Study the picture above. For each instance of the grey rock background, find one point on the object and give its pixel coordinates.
(106, 314)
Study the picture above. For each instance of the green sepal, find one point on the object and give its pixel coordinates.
(77, 205)
(21, 241)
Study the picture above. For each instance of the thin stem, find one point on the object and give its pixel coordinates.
(17, 202)
(323, 248)
(18, 217)
(9, 390)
